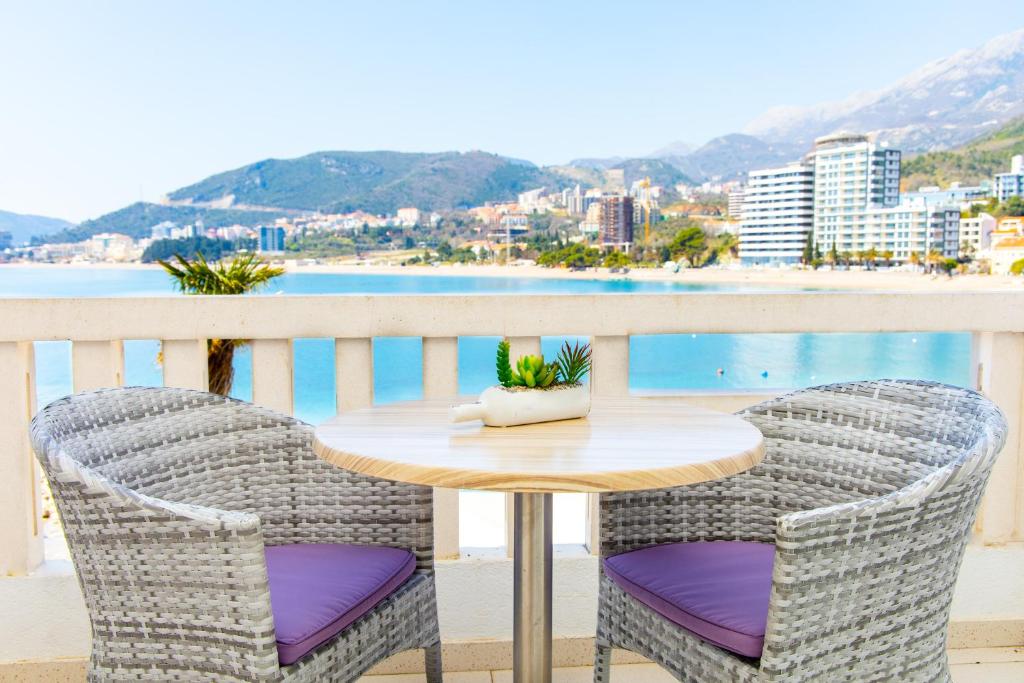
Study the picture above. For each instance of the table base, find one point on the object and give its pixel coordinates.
(531, 634)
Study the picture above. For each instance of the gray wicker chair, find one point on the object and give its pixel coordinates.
(868, 492)
(168, 498)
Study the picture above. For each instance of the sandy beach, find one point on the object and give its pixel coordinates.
(756, 277)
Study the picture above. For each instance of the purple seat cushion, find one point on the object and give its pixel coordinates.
(318, 589)
(716, 590)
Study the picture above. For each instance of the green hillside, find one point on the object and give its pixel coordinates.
(660, 172)
(137, 219)
(378, 182)
(970, 164)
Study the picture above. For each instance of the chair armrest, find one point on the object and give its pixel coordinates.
(878, 572)
(184, 585)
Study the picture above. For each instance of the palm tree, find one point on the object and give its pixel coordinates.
(887, 257)
(914, 259)
(870, 257)
(934, 258)
(245, 273)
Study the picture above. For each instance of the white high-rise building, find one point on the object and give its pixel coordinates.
(857, 203)
(1010, 184)
(852, 175)
(777, 212)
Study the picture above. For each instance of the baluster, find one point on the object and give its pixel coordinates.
(1000, 376)
(608, 378)
(353, 372)
(273, 383)
(185, 364)
(97, 364)
(21, 538)
(441, 381)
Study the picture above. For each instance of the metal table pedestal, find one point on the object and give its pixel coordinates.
(531, 650)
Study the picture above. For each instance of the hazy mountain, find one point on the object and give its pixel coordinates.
(24, 227)
(944, 103)
(137, 219)
(599, 163)
(672, 149)
(969, 164)
(660, 171)
(378, 182)
(731, 156)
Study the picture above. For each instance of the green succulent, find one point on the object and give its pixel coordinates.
(573, 363)
(503, 364)
(532, 371)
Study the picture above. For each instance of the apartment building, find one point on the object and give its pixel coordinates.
(976, 233)
(734, 208)
(615, 227)
(777, 212)
(1010, 184)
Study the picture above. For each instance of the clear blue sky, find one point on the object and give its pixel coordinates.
(106, 102)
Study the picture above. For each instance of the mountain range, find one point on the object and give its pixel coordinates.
(23, 227)
(944, 103)
(941, 106)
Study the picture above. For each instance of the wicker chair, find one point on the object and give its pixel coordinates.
(173, 501)
(865, 498)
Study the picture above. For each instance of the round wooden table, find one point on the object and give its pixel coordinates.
(625, 444)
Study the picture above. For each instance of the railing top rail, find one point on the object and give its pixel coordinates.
(446, 315)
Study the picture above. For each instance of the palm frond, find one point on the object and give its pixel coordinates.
(244, 273)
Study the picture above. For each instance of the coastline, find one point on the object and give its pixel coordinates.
(755, 277)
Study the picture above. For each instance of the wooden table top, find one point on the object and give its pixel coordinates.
(625, 444)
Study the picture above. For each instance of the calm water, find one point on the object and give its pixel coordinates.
(754, 361)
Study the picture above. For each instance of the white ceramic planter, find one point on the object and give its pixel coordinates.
(505, 407)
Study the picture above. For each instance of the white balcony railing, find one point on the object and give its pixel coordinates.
(97, 328)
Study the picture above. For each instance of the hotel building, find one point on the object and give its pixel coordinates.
(853, 177)
(777, 213)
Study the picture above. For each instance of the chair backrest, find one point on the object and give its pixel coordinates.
(825, 445)
(204, 449)
(846, 442)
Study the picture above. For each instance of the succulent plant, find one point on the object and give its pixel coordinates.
(534, 372)
(571, 366)
(573, 362)
(503, 364)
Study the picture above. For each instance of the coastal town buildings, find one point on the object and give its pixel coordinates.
(408, 217)
(112, 246)
(1010, 184)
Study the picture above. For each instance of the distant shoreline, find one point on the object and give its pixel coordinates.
(768, 278)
